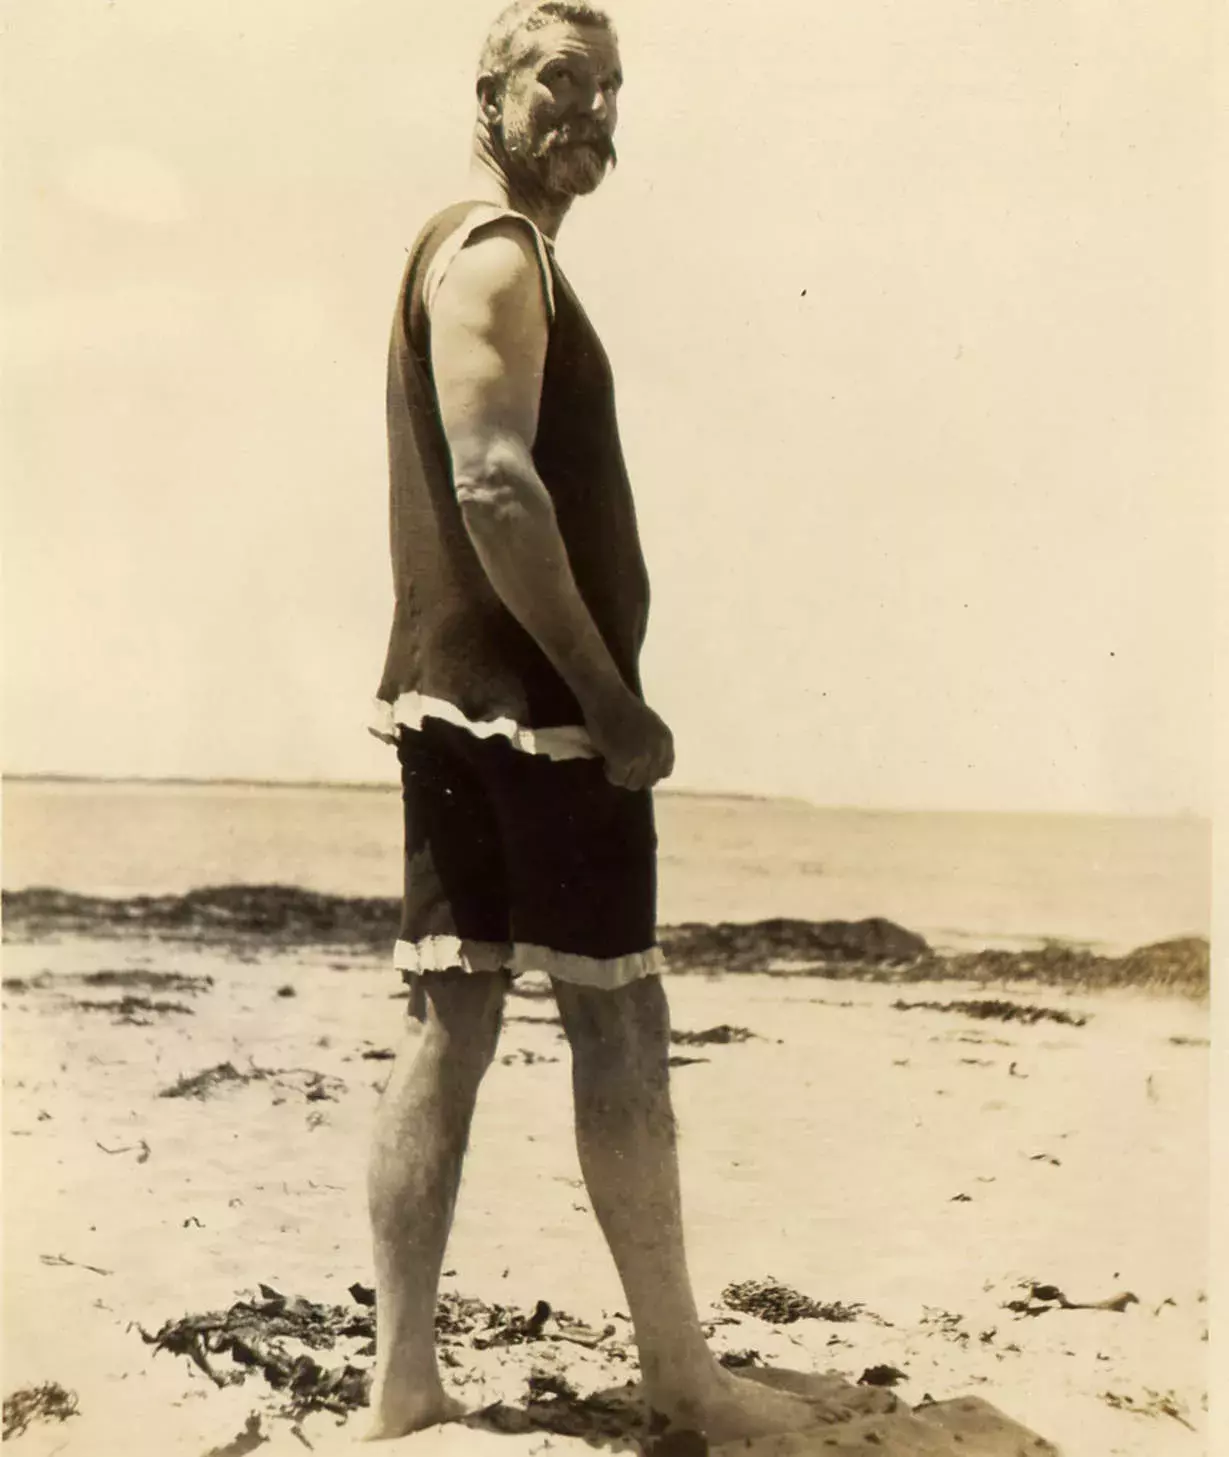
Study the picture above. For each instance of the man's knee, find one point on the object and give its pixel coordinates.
(463, 1013)
(628, 1024)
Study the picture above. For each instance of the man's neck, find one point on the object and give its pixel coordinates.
(489, 182)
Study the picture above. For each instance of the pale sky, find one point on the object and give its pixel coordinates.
(909, 308)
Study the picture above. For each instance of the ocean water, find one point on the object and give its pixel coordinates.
(962, 880)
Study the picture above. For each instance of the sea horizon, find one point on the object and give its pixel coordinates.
(384, 786)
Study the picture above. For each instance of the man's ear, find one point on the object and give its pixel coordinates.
(489, 100)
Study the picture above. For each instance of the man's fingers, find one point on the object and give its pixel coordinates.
(643, 773)
(637, 776)
(632, 775)
(643, 770)
(663, 764)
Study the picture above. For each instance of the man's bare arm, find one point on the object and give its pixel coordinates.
(488, 349)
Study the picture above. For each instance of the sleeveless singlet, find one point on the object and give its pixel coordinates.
(455, 649)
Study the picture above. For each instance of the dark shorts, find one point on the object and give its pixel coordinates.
(518, 862)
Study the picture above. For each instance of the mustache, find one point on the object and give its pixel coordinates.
(569, 134)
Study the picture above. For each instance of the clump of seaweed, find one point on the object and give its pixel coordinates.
(254, 1333)
(207, 1082)
(1150, 1404)
(123, 979)
(47, 1402)
(778, 1304)
(139, 1011)
(259, 1336)
(280, 915)
(1180, 966)
(1042, 1298)
(152, 981)
(1000, 1010)
(721, 1036)
(315, 1086)
(757, 945)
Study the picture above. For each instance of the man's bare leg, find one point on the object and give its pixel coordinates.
(626, 1141)
(421, 1132)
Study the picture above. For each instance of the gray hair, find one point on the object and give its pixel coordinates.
(500, 49)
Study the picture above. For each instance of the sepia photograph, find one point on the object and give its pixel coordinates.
(608, 756)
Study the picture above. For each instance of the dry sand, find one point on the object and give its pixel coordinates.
(922, 1166)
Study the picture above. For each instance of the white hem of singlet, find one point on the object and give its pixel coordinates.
(444, 953)
(483, 213)
(565, 741)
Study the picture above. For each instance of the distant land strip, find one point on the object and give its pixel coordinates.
(52, 778)
(382, 786)
(279, 917)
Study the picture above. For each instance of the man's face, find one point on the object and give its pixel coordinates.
(560, 105)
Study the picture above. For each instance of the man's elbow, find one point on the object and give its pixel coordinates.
(494, 495)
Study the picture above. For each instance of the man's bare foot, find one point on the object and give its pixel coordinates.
(410, 1412)
(832, 1398)
(729, 1409)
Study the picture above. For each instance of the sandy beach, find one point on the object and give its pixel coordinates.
(950, 1187)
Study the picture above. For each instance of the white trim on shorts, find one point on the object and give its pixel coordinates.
(444, 953)
(565, 741)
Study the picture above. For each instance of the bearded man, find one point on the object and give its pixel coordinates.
(527, 750)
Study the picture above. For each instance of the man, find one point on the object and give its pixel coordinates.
(526, 747)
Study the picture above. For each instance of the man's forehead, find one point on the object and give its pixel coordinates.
(568, 38)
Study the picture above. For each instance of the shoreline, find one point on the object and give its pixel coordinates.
(246, 917)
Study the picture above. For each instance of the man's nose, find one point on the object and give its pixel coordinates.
(601, 104)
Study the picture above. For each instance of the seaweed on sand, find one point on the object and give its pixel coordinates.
(756, 945)
(882, 1375)
(278, 914)
(722, 1036)
(1042, 1298)
(461, 1316)
(137, 1010)
(48, 1402)
(1181, 965)
(254, 1334)
(259, 1336)
(880, 951)
(153, 981)
(123, 979)
(130, 1006)
(1003, 1011)
(1151, 1404)
(778, 1304)
(203, 1084)
(315, 1086)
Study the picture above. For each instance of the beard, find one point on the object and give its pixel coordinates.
(570, 160)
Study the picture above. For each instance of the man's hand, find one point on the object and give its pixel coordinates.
(636, 745)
